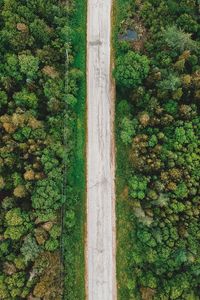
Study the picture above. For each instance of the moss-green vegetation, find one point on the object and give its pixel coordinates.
(157, 123)
(42, 179)
(75, 241)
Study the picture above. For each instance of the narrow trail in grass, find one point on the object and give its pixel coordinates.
(101, 239)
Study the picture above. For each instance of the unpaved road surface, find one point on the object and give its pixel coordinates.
(100, 249)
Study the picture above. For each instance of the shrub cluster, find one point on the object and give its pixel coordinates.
(159, 127)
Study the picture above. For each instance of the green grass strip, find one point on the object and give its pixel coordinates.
(74, 247)
(123, 209)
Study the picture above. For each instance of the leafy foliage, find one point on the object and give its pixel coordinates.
(29, 65)
(131, 69)
(158, 160)
(38, 114)
(179, 40)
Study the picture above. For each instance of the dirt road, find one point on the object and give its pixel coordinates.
(100, 250)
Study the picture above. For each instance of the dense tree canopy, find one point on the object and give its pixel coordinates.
(158, 149)
(37, 117)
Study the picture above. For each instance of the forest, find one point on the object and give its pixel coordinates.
(42, 90)
(158, 162)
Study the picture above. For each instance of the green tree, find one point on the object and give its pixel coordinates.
(3, 288)
(171, 83)
(47, 195)
(14, 217)
(15, 284)
(171, 107)
(25, 99)
(52, 244)
(30, 249)
(29, 65)
(178, 40)
(187, 23)
(181, 191)
(127, 130)
(131, 69)
(3, 99)
(40, 31)
(138, 187)
(12, 68)
(17, 224)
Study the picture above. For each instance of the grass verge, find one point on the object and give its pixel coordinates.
(75, 242)
(123, 207)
